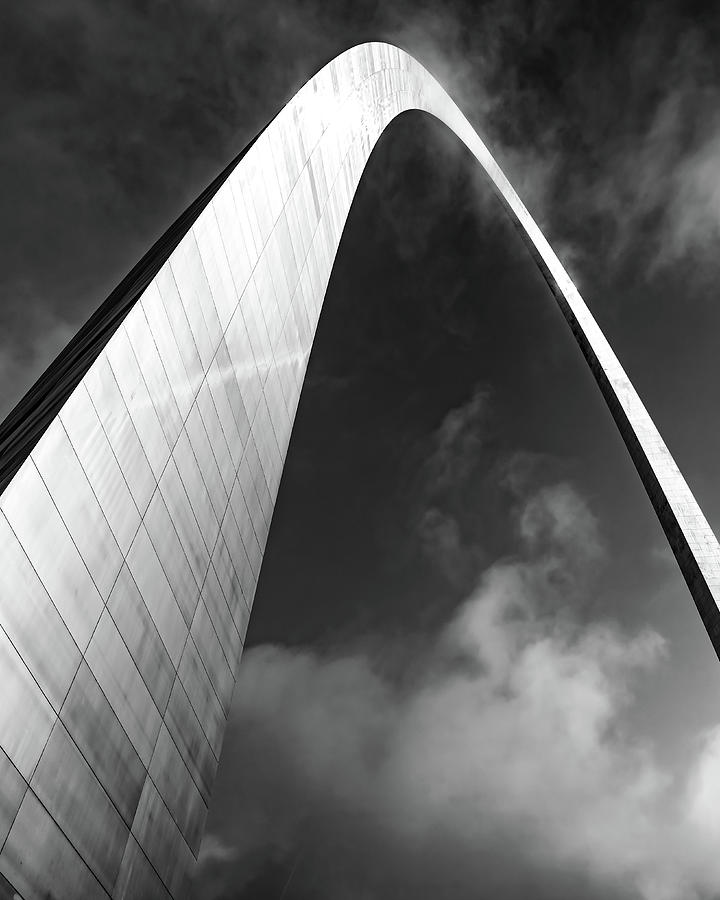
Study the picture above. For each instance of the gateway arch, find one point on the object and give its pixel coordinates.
(138, 478)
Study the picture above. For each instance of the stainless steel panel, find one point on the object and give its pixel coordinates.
(304, 318)
(227, 372)
(180, 327)
(211, 653)
(248, 582)
(202, 696)
(217, 438)
(211, 476)
(149, 576)
(268, 451)
(156, 832)
(230, 529)
(120, 430)
(252, 239)
(251, 304)
(102, 469)
(141, 637)
(234, 239)
(137, 879)
(298, 214)
(135, 393)
(26, 716)
(241, 618)
(290, 264)
(216, 265)
(221, 615)
(156, 378)
(117, 675)
(249, 178)
(69, 790)
(76, 502)
(191, 741)
(230, 553)
(195, 294)
(272, 258)
(91, 722)
(12, 790)
(262, 523)
(289, 374)
(200, 288)
(39, 860)
(183, 517)
(243, 360)
(170, 552)
(245, 515)
(267, 301)
(192, 479)
(51, 551)
(246, 479)
(179, 792)
(216, 382)
(277, 410)
(167, 346)
(31, 621)
(268, 177)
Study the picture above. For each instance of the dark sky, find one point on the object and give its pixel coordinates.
(472, 668)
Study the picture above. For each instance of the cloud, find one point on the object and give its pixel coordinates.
(442, 543)
(457, 443)
(692, 219)
(661, 185)
(462, 491)
(464, 47)
(637, 165)
(557, 518)
(505, 763)
(455, 460)
(612, 141)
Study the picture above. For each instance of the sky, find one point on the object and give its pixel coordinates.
(472, 667)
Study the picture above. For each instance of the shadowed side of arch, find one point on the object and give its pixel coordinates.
(132, 534)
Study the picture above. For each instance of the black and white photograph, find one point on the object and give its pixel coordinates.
(359, 450)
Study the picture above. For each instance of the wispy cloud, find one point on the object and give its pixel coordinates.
(457, 443)
(455, 453)
(609, 131)
(657, 186)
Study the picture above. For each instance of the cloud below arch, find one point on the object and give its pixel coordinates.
(505, 760)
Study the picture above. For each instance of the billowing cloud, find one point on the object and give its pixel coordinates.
(505, 755)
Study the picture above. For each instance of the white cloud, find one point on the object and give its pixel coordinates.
(510, 754)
